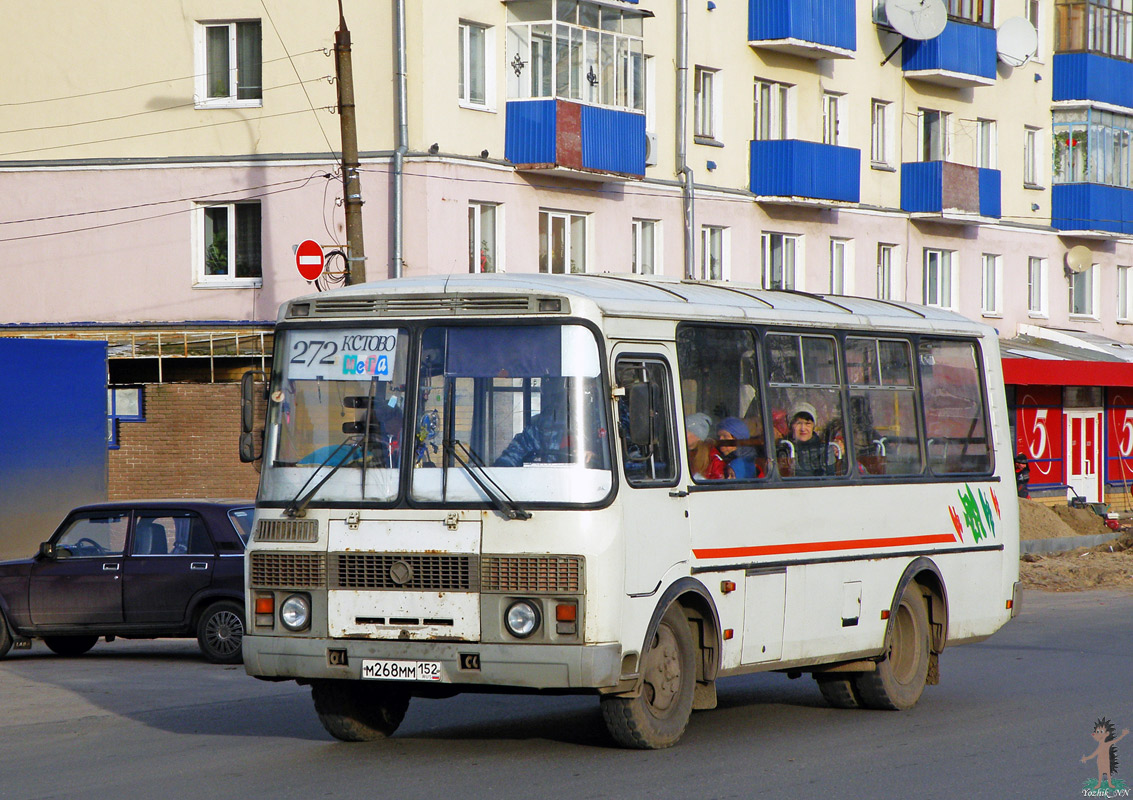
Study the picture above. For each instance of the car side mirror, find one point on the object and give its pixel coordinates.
(47, 550)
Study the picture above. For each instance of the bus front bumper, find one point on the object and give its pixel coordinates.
(530, 666)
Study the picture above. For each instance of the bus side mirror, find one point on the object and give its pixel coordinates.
(641, 414)
(248, 398)
(247, 447)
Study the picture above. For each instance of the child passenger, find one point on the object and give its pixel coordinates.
(705, 461)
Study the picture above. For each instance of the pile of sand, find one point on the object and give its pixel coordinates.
(1082, 520)
(1037, 521)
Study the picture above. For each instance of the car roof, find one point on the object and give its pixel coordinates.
(194, 504)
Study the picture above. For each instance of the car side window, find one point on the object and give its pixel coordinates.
(170, 534)
(95, 536)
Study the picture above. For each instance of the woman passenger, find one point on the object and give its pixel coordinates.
(705, 461)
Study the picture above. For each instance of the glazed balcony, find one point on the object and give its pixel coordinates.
(950, 192)
(962, 56)
(790, 168)
(573, 138)
(807, 28)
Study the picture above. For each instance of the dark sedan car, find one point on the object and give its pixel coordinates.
(138, 570)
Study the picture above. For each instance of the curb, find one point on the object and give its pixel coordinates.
(1064, 544)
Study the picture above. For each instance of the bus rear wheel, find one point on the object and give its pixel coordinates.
(899, 679)
(657, 717)
(355, 711)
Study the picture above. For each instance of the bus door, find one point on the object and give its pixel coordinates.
(654, 512)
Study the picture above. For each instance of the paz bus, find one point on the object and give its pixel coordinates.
(482, 483)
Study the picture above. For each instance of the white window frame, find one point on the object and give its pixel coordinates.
(772, 104)
(1087, 294)
(1032, 12)
(832, 118)
(715, 238)
(570, 256)
(1037, 287)
(488, 66)
(476, 214)
(841, 266)
(1032, 176)
(881, 141)
(1124, 294)
(646, 239)
(791, 248)
(203, 280)
(991, 285)
(886, 271)
(945, 135)
(939, 285)
(706, 103)
(201, 98)
(987, 146)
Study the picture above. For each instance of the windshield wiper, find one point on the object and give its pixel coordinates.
(474, 466)
(295, 507)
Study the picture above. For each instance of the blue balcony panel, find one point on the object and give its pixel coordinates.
(1091, 207)
(794, 168)
(807, 28)
(963, 55)
(1094, 78)
(560, 135)
(950, 190)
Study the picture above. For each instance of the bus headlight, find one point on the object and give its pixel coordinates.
(522, 618)
(295, 612)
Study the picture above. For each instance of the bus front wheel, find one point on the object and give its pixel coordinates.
(658, 715)
(354, 711)
(899, 679)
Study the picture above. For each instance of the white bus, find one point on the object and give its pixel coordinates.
(483, 483)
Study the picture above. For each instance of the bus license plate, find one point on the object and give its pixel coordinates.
(401, 670)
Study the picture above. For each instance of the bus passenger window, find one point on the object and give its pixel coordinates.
(645, 421)
(883, 414)
(955, 414)
(805, 396)
(722, 408)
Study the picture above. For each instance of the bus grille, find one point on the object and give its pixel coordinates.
(289, 570)
(552, 574)
(287, 530)
(412, 572)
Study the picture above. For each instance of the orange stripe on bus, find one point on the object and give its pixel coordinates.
(822, 547)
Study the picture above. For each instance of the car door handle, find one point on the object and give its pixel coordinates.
(199, 565)
(110, 567)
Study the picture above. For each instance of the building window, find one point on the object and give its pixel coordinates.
(229, 241)
(991, 288)
(1082, 286)
(1030, 156)
(476, 74)
(482, 237)
(1036, 286)
(713, 253)
(979, 11)
(229, 64)
(1094, 26)
(933, 135)
(938, 278)
(780, 253)
(841, 273)
(986, 144)
(562, 242)
(831, 108)
(646, 247)
(879, 148)
(885, 271)
(123, 404)
(580, 51)
(705, 87)
(1093, 146)
(1033, 13)
(772, 110)
(1125, 293)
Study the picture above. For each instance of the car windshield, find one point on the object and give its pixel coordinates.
(336, 413)
(513, 412)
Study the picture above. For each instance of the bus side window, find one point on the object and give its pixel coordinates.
(805, 395)
(649, 454)
(955, 416)
(883, 415)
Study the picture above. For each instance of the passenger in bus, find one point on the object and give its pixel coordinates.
(704, 460)
(808, 454)
(734, 442)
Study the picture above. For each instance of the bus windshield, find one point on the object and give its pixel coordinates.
(516, 409)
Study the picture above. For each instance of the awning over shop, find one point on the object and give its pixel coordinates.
(1052, 357)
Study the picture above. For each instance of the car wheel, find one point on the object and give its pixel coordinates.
(220, 632)
(5, 636)
(355, 711)
(69, 645)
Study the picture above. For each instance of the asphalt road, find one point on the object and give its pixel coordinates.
(1012, 717)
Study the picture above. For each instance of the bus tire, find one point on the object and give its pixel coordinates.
(356, 711)
(899, 679)
(658, 715)
(838, 691)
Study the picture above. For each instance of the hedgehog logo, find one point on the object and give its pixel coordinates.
(1106, 756)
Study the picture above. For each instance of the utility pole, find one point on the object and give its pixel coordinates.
(351, 186)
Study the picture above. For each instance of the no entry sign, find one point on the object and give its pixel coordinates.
(309, 259)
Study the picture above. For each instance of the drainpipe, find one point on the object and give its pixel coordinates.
(402, 140)
(683, 170)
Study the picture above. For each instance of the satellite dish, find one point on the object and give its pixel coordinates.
(1079, 258)
(917, 19)
(1016, 41)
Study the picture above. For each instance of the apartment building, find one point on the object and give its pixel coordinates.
(795, 144)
